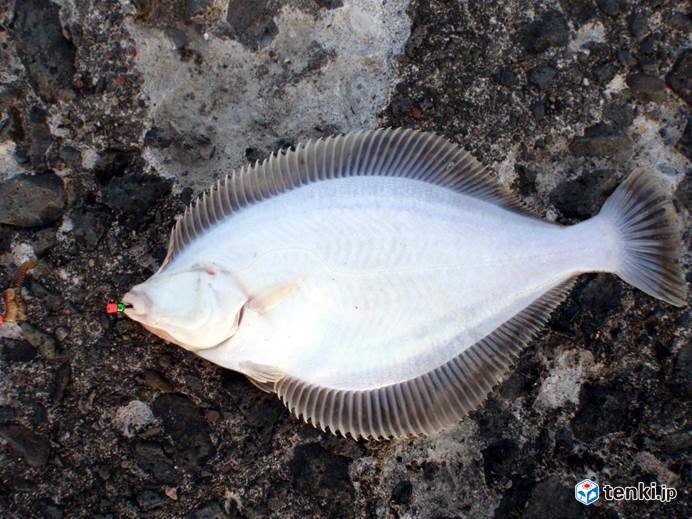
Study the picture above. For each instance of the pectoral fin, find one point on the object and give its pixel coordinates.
(271, 298)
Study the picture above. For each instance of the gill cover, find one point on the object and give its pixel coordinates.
(197, 308)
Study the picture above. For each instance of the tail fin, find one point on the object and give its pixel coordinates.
(643, 214)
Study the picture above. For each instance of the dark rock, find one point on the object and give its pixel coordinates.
(579, 11)
(149, 500)
(179, 37)
(648, 65)
(583, 196)
(38, 414)
(648, 45)
(330, 4)
(211, 510)
(40, 340)
(44, 240)
(685, 142)
(601, 140)
(430, 469)
(262, 411)
(494, 422)
(135, 194)
(62, 379)
(514, 499)
(680, 22)
(550, 30)
(525, 180)
(253, 155)
(49, 510)
(500, 460)
(150, 457)
(610, 7)
(401, 105)
(638, 25)
(70, 156)
(647, 88)
(7, 413)
(601, 296)
(550, 498)
(265, 416)
(161, 138)
(626, 58)
(186, 195)
(44, 51)
(678, 443)
(603, 72)
(31, 200)
(323, 477)
(318, 56)
(538, 109)
(37, 137)
(6, 237)
(401, 493)
(620, 115)
(680, 76)
(186, 425)
(251, 23)
(115, 162)
(33, 448)
(681, 377)
(195, 7)
(541, 75)
(90, 224)
(505, 77)
(605, 408)
(594, 299)
(155, 380)
(17, 351)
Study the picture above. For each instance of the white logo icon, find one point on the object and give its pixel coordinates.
(586, 492)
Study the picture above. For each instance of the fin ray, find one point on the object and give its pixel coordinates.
(431, 401)
(643, 216)
(410, 154)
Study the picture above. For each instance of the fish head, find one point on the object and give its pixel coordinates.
(196, 308)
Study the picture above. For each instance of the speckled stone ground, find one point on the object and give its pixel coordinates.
(113, 114)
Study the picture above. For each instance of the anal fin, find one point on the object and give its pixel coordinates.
(267, 387)
(431, 401)
(261, 373)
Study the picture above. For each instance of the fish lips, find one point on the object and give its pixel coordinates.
(139, 304)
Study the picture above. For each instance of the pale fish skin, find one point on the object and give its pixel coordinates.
(343, 286)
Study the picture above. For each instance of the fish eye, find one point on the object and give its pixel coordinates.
(208, 269)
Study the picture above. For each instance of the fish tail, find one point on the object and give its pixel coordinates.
(642, 215)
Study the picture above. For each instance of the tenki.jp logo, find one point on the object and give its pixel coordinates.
(586, 492)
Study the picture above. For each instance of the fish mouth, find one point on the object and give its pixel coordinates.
(136, 304)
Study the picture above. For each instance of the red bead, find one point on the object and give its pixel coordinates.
(111, 308)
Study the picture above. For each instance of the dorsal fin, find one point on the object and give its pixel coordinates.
(403, 153)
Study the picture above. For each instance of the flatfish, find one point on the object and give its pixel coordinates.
(382, 282)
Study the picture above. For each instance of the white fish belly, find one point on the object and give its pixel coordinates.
(396, 276)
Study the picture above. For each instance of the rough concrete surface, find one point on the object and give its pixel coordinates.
(113, 114)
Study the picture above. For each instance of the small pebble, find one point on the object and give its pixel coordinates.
(132, 418)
